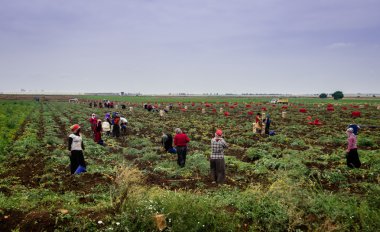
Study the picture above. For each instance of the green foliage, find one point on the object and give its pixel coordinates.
(139, 142)
(335, 177)
(255, 153)
(287, 187)
(337, 95)
(346, 212)
(265, 213)
(280, 139)
(150, 156)
(196, 164)
(365, 142)
(298, 143)
(323, 95)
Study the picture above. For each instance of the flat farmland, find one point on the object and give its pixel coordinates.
(296, 180)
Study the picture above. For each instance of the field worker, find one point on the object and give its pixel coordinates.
(217, 164)
(106, 126)
(123, 125)
(352, 155)
(267, 122)
(258, 124)
(355, 127)
(98, 132)
(149, 107)
(107, 118)
(76, 148)
(93, 121)
(167, 142)
(180, 141)
(116, 125)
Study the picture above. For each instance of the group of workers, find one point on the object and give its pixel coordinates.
(262, 124)
(115, 124)
(106, 104)
(218, 144)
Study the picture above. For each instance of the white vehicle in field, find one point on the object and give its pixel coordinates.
(274, 101)
(284, 101)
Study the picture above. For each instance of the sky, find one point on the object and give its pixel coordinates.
(191, 46)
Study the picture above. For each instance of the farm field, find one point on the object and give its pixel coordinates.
(296, 180)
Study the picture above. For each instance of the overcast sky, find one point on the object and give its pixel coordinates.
(193, 46)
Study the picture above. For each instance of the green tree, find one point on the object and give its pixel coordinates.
(323, 95)
(337, 95)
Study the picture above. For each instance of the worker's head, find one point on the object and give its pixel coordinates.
(349, 131)
(75, 128)
(93, 115)
(178, 131)
(218, 133)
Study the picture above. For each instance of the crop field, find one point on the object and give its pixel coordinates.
(296, 180)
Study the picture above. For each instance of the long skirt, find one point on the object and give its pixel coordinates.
(353, 159)
(76, 159)
(97, 136)
(218, 168)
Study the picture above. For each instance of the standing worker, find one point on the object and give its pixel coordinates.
(180, 141)
(217, 164)
(267, 122)
(116, 125)
(258, 124)
(93, 121)
(106, 125)
(352, 155)
(76, 148)
(98, 132)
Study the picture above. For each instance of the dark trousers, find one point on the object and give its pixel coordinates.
(181, 153)
(353, 159)
(116, 131)
(124, 129)
(76, 159)
(218, 172)
(267, 129)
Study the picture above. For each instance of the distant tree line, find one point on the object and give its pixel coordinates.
(336, 95)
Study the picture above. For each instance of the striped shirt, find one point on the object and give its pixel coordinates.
(217, 148)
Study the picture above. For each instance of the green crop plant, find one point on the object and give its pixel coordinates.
(255, 153)
(365, 142)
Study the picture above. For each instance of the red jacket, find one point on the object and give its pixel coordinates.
(93, 121)
(181, 140)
